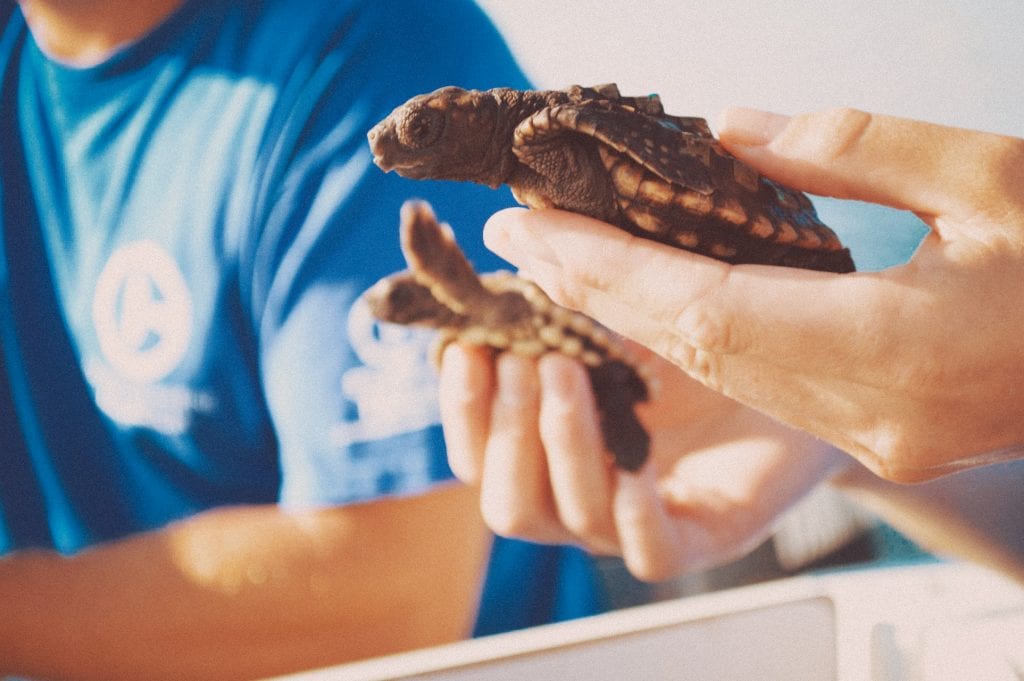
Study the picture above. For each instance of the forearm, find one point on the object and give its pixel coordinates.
(976, 514)
(242, 593)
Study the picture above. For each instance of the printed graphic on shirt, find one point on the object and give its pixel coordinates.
(395, 391)
(143, 318)
(142, 311)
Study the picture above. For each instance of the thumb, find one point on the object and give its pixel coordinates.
(679, 304)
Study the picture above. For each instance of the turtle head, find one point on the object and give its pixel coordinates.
(448, 134)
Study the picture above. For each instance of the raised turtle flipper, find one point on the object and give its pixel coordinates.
(436, 260)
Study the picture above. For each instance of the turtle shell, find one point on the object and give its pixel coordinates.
(673, 182)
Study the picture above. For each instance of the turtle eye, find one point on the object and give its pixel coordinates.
(421, 128)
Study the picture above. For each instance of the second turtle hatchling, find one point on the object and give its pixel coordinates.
(510, 314)
(616, 158)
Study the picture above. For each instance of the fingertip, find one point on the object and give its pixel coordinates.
(498, 228)
(742, 126)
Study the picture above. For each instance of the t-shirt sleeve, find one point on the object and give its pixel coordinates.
(354, 403)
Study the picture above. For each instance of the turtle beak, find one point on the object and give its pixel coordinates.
(388, 152)
(378, 139)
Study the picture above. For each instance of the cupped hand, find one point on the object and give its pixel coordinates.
(526, 432)
(917, 370)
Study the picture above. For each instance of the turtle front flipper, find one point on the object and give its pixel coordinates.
(436, 260)
(560, 168)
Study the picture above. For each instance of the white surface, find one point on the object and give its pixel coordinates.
(922, 623)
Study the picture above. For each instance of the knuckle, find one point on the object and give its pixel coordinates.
(705, 324)
(703, 329)
(826, 135)
(1001, 164)
(707, 369)
(562, 290)
(900, 455)
(704, 366)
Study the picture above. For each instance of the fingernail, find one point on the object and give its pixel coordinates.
(562, 378)
(496, 236)
(749, 127)
(517, 382)
(514, 235)
(458, 377)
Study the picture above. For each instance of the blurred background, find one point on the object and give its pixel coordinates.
(950, 61)
(955, 62)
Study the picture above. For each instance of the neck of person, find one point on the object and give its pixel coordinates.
(86, 32)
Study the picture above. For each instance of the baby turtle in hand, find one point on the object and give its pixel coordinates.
(507, 313)
(619, 159)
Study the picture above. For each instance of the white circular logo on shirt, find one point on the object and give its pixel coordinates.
(142, 311)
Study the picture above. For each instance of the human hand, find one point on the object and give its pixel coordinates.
(916, 370)
(526, 432)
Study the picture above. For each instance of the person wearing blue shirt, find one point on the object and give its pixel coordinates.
(215, 464)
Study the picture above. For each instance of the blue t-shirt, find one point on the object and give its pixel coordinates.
(187, 230)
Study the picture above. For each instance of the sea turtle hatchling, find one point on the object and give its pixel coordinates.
(619, 159)
(507, 313)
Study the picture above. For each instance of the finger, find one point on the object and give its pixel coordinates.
(573, 256)
(466, 391)
(772, 338)
(846, 153)
(578, 466)
(686, 307)
(515, 494)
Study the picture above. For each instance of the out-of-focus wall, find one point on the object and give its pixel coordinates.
(957, 62)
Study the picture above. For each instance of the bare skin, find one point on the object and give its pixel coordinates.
(719, 476)
(248, 592)
(241, 592)
(526, 432)
(916, 370)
